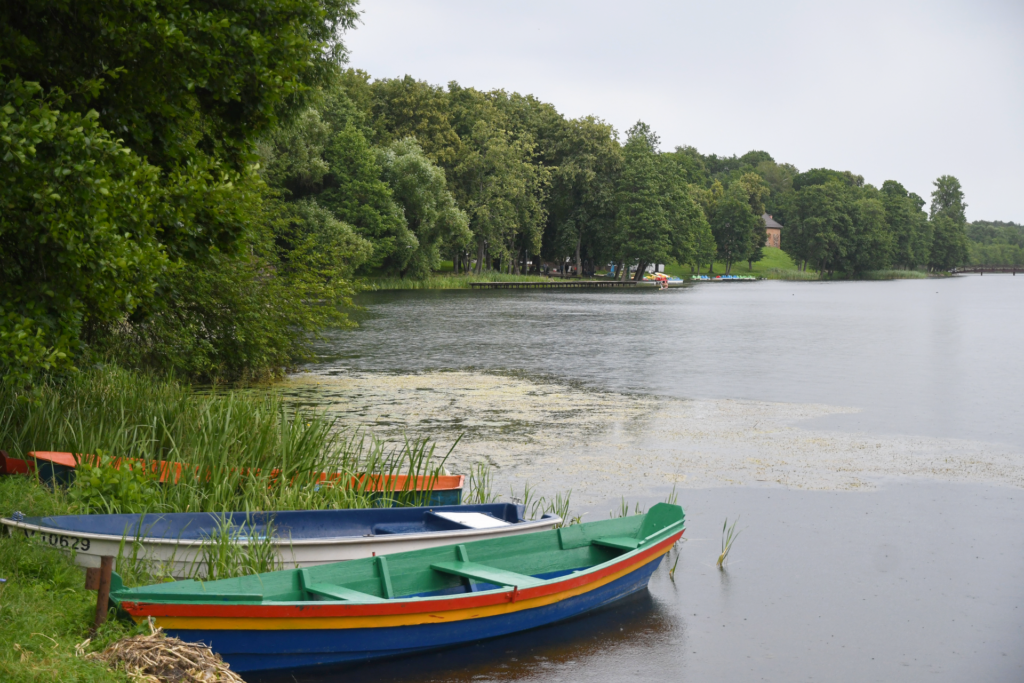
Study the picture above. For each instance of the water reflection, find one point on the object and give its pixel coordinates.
(634, 628)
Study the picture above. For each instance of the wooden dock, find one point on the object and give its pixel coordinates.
(981, 270)
(574, 284)
(559, 284)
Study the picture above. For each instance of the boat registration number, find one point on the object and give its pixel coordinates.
(59, 540)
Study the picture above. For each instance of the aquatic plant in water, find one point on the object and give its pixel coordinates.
(729, 535)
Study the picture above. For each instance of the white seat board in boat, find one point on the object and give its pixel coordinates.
(473, 520)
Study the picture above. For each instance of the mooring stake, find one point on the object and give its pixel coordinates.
(103, 596)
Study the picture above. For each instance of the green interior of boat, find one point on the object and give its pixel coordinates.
(522, 561)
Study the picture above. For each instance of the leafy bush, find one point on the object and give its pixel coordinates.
(76, 237)
(102, 489)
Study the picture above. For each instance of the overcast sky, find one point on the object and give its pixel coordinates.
(890, 90)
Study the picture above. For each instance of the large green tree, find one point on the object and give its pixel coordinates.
(581, 206)
(907, 224)
(175, 78)
(734, 227)
(949, 222)
(179, 92)
(358, 195)
(641, 229)
(430, 212)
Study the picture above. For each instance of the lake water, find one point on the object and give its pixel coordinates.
(867, 434)
(940, 357)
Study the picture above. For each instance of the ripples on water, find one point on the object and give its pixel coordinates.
(939, 357)
(914, 581)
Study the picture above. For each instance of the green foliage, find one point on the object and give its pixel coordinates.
(949, 244)
(729, 535)
(907, 224)
(949, 241)
(447, 281)
(224, 557)
(822, 176)
(249, 313)
(642, 228)
(77, 244)
(356, 194)
(292, 156)
(403, 108)
(100, 489)
(420, 188)
(735, 227)
(995, 243)
(586, 160)
(181, 78)
(46, 610)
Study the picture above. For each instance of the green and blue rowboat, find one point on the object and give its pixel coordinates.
(414, 601)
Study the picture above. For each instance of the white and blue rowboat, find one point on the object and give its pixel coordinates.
(174, 543)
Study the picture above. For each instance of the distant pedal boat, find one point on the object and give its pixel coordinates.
(305, 538)
(414, 601)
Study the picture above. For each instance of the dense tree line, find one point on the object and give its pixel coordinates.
(995, 243)
(193, 187)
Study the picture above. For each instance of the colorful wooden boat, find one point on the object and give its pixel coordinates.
(386, 606)
(176, 541)
(444, 489)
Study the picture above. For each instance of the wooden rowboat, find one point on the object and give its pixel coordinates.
(387, 606)
(175, 542)
(446, 489)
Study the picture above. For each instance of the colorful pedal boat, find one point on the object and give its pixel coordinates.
(410, 602)
(174, 542)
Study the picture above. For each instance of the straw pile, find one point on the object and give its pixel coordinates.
(158, 659)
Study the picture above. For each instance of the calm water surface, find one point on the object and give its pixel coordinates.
(938, 358)
(915, 581)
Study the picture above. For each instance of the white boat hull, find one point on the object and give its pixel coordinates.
(185, 558)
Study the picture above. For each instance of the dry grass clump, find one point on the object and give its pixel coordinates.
(158, 659)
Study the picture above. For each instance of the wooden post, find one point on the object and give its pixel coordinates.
(103, 596)
(92, 578)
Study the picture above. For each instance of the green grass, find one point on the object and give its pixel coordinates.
(230, 441)
(45, 610)
(776, 265)
(894, 275)
(440, 281)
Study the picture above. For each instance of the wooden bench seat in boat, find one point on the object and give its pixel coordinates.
(481, 572)
(619, 542)
(334, 591)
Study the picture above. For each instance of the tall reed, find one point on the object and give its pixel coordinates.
(237, 451)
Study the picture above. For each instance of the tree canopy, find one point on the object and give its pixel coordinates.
(201, 186)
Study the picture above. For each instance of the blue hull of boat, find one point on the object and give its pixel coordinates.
(254, 650)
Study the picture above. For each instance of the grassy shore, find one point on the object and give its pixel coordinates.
(229, 443)
(776, 265)
(45, 611)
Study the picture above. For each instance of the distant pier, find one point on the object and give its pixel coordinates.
(988, 269)
(567, 284)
